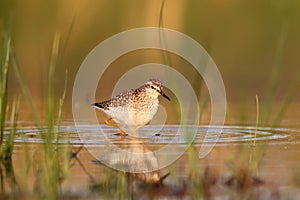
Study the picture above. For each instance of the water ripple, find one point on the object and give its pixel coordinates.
(101, 134)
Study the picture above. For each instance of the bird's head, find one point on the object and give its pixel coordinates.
(154, 86)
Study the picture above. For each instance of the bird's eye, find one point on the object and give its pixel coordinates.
(152, 87)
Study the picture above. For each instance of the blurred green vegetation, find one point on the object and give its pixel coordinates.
(255, 44)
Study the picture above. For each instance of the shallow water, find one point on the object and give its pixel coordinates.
(235, 150)
(97, 134)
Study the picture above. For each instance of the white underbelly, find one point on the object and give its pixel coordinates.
(133, 117)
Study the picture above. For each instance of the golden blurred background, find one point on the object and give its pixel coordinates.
(254, 43)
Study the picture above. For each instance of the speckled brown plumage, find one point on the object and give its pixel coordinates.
(125, 98)
(136, 107)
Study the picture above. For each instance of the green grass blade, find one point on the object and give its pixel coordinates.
(61, 103)
(51, 166)
(7, 150)
(166, 57)
(64, 49)
(161, 12)
(3, 86)
(276, 72)
(257, 119)
(51, 97)
(204, 105)
(13, 128)
(24, 87)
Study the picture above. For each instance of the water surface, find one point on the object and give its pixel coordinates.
(233, 153)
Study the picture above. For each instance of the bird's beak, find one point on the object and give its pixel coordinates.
(164, 95)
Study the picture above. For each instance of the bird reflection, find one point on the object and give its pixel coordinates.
(131, 172)
(134, 157)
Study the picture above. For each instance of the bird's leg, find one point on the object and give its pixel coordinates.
(133, 133)
(123, 132)
(110, 123)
